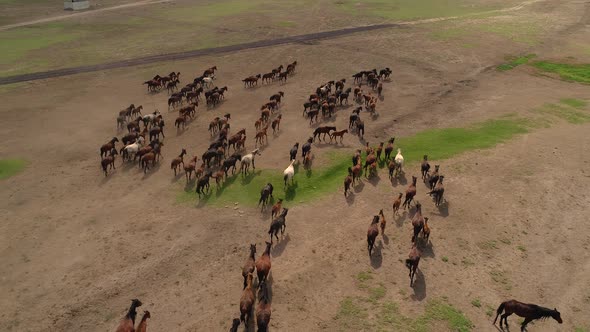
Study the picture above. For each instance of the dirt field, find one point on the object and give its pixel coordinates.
(76, 246)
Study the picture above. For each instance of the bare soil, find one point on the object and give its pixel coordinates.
(76, 246)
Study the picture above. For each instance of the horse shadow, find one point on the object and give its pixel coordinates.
(381, 98)
(228, 181)
(400, 180)
(246, 179)
(359, 187)
(427, 248)
(419, 286)
(374, 180)
(291, 191)
(203, 199)
(443, 209)
(350, 198)
(269, 282)
(399, 219)
(151, 171)
(385, 239)
(308, 172)
(106, 178)
(176, 177)
(280, 246)
(188, 187)
(377, 257)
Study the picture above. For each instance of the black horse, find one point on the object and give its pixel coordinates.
(306, 147)
(203, 183)
(293, 152)
(278, 224)
(528, 311)
(231, 163)
(265, 195)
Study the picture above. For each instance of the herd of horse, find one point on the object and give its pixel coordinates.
(227, 150)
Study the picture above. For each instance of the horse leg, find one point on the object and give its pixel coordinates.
(523, 326)
(505, 318)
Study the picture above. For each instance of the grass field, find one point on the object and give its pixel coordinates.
(10, 167)
(515, 62)
(570, 72)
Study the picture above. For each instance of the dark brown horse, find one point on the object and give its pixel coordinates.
(412, 262)
(372, 233)
(107, 147)
(397, 203)
(438, 191)
(247, 301)
(347, 181)
(528, 311)
(109, 161)
(278, 224)
(425, 168)
(263, 265)
(322, 131)
(410, 193)
(175, 163)
(417, 222)
(249, 266)
(263, 311)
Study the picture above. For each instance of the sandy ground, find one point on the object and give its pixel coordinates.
(77, 246)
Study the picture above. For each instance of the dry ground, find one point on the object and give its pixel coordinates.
(76, 246)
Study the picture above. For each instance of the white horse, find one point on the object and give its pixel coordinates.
(247, 160)
(288, 173)
(208, 81)
(399, 160)
(132, 149)
(149, 118)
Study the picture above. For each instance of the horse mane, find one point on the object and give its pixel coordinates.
(543, 312)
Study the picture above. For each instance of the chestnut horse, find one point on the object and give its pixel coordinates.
(249, 265)
(410, 193)
(263, 311)
(263, 265)
(412, 262)
(372, 233)
(247, 301)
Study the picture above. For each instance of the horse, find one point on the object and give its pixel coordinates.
(293, 152)
(127, 324)
(132, 149)
(283, 77)
(399, 161)
(425, 168)
(251, 81)
(156, 131)
(109, 161)
(306, 148)
(288, 173)
(235, 324)
(265, 195)
(203, 183)
(180, 121)
(130, 138)
(356, 171)
(107, 147)
(263, 311)
(260, 136)
(249, 265)
(379, 89)
(276, 124)
(433, 178)
(340, 134)
(175, 163)
(397, 203)
(360, 128)
(278, 224)
(379, 150)
(347, 181)
(276, 208)
(209, 155)
(322, 130)
(438, 191)
(410, 193)
(151, 156)
(277, 97)
(372, 233)
(210, 71)
(247, 301)
(263, 264)
(231, 163)
(412, 262)
(417, 222)
(268, 77)
(247, 160)
(426, 230)
(190, 168)
(528, 311)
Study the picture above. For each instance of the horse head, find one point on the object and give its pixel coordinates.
(556, 315)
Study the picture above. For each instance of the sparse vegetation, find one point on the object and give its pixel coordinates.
(569, 72)
(515, 62)
(521, 248)
(500, 277)
(488, 245)
(489, 311)
(476, 303)
(445, 259)
(10, 167)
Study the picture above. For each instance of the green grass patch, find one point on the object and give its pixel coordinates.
(376, 293)
(565, 112)
(580, 329)
(515, 62)
(206, 13)
(442, 311)
(351, 315)
(488, 245)
(521, 248)
(520, 32)
(437, 143)
(364, 276)
(490, 311)
(569, 72)
(10, 167)
(575, 103)
(476, 303)
(445, 259)
(501, 278)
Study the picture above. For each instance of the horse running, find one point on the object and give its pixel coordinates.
(412, 262)
(372, 233)
(278, 224)
(249, 266)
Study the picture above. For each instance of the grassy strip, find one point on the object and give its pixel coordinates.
(437, 143)
(515, 62)
(10, 167)
(568, 72)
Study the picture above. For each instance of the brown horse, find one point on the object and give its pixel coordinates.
(107, 147)
(340, 134)
(249, 266)
(142, 327)
(425, 168)
(263, 265)
(372, 233)
(109, 161)
(175, 163)
(383, 222)
(371, 159)
(410, 193)
(180, 121)
(251, 81)
(412, 262)
(417, 222)
(190, 168)
(356, 171)
(397, 203)
(347, 181)
(276, 124)
(263, 311)
(438, 191)
(389, 148)
(318, 132)
(261, 136)
(127, 324)
(247, 301)
(276, 208)
(528, 311)
(234, 325)
(426, 230)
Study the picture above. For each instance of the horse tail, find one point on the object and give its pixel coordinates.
(286, 177)
(499, 311)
